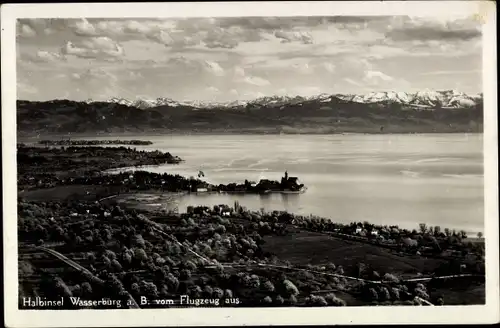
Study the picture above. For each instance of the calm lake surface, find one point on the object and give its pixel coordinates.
(384, 179)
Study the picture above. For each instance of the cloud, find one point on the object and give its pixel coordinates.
(219, 38)
(278, 23)
(275, 63)
(240, 76)
(214, 68)
(169, 32)
(255, 80)
(96, 47)
(239, 72)
(24, 88)
(424, 29)
(252, 95)
(47, 56)
(375, 77)
(173, 39)
(289, 36)
(241, 56)
(41, 56)
(351, 81)
(307, 91)
(25, 31)
(95, 74)
(41, 26)
(134, 26)
(454, 72)
(303, 37)
(329, 67)
(84, 28)
(431, 33)
(212, 91)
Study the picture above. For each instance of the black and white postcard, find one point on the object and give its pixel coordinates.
(270, 163)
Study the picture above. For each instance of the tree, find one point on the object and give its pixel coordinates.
(391, 278)
(267, 300)
(421, 293)
(190, 265)
(268, 286)
(135, 288)
(86, 289)
(208, 291)
(317, 300)
(290, 288)
(410, 242)
(127, 257)
(423, 228)
(447, 232)
(159, 261)
(360, 269)
(437, 230)
(62, 288)
(106, 261)
(140, 254)
(116, 265)
(254, 281)
(330, 266)
(395, 293)
(384, 294)
(91, 257)
(373, 294)
(218, 293)
(334, 300)
(479, 235)
(185, 274)
(330, 297)
(228, 293)
(172, 282)
(138, 241)
(110, 254)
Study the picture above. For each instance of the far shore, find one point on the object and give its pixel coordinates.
(83, 142)
(53, 136)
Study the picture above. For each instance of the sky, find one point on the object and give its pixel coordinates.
(240, 58)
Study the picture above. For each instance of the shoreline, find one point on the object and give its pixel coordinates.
(220, 133)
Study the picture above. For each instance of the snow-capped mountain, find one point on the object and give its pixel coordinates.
(121, 101)
(424, 98)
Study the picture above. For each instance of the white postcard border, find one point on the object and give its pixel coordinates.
(489, 313)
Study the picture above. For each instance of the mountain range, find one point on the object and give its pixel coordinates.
(426, 98)
(376, 112)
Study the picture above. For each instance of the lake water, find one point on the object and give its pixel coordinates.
(386, 179)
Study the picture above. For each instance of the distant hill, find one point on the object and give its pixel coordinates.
(382, 112)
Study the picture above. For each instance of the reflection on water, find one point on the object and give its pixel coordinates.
(387, 179)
